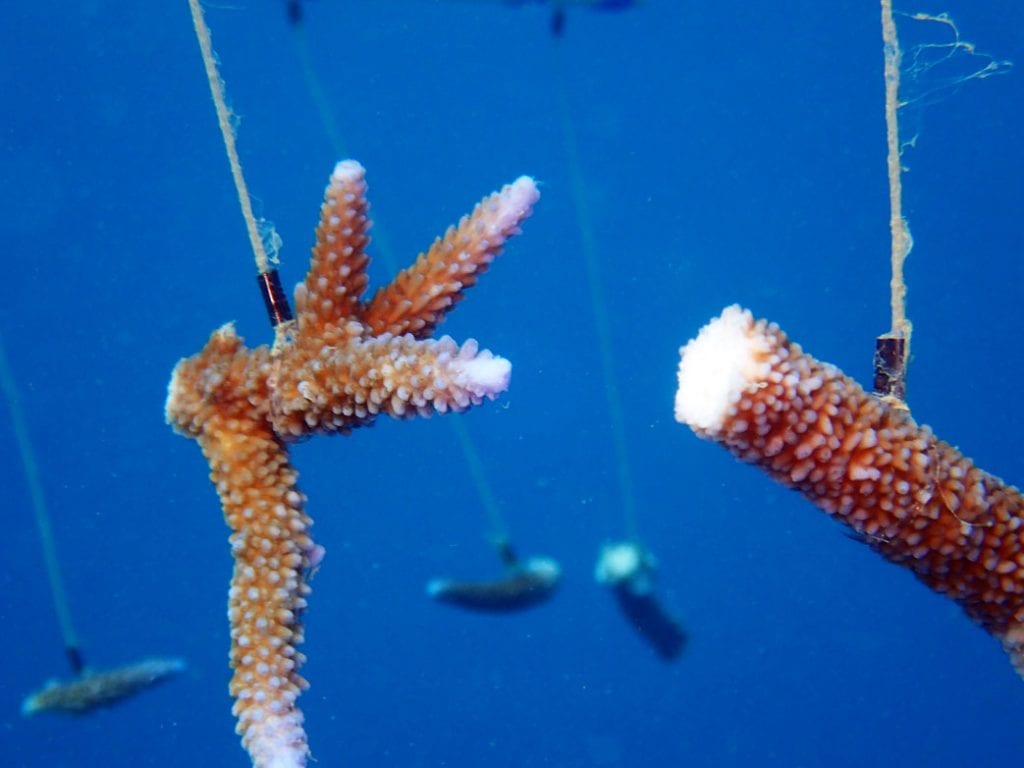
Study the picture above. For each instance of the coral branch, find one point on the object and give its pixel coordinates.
(420, 296)
(272, 552)
(337, 273)
(336, 371)
(912, 497)
(101, 688)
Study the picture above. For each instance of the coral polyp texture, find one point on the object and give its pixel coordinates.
(912, 497)
(344, 362)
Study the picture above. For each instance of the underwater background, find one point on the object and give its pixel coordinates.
(732, 152)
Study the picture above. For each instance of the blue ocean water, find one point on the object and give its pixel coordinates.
(732, 153)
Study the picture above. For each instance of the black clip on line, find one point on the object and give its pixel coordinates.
(891, 367)
(273, 297)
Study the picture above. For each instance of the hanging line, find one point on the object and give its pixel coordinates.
(892, 349)
(274, 298)
(322, 104)
(499, 531)
(498, 535)
(600, 309)
(42, 517)
(315, 88)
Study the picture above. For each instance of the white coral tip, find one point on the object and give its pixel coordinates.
(348, 171)
(484, 375)
(523, 193)
(715, 367)
(618, 562)
(515, 203)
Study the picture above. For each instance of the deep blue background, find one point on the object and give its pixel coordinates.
(733, 152)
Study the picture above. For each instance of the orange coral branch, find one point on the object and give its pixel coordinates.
(272, 552)
(220, 397)
(337, 274)
(335, 372)
(914, 498)
(419, 297)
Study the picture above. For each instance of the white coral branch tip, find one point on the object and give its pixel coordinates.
(714, 369)
(484, 375)
(348, 171)
(514, 203)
